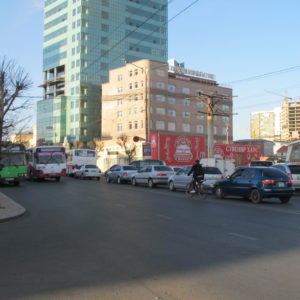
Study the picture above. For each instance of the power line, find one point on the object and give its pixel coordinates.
(286, 70)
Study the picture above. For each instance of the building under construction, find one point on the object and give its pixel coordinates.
(290, 120)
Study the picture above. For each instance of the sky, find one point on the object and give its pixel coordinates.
(233, 39)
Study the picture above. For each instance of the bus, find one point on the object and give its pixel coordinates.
(46, 162)
(13, 165)
(78, 157)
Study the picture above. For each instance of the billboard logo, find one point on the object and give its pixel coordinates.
(183, 151)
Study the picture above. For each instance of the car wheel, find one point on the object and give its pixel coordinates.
(219, 192)
(98, 178)
(172, 186)
(119, 181)
(285, 199)
(57, 179)
(133, 181)
(150, 183)
(107, 179)
(255, 196)
(16, 183)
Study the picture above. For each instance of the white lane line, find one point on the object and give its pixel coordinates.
(243, 236)
(163, 217)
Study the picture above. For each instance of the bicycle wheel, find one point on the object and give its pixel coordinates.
(189, 189)
(202, 191)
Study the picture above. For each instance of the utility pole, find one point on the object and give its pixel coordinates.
(211, 101)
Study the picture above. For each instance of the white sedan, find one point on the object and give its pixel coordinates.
(152, 175)
(88, 171)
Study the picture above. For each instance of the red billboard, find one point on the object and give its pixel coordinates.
(241, 154)
(177, 150)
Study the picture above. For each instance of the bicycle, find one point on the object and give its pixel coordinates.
(198, 190)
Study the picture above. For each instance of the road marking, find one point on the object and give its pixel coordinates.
(163, 217)
(243, 236)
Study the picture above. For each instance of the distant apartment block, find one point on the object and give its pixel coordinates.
(83, 39)
(266, 124)
(147, 96)
(290, 120)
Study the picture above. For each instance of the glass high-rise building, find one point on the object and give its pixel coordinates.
(83, 39)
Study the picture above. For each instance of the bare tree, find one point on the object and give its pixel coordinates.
(130, 149)
(13, 82)
(96, 144)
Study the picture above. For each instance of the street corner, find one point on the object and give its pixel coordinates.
(9, 209)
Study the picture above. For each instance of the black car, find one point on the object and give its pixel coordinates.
(256, 183)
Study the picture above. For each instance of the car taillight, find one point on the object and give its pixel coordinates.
(290, 182)
(268, 182)
(290, 175)
(125, 173)
(161, 174)
(222, 177)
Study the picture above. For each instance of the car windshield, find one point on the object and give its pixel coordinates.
(129, 168)
(261, 163)
(295, 169)
(212, 170)
(273, 173)
(13, 159)
(51, 158)
(152, 163)
(163, 168)
(91, 167)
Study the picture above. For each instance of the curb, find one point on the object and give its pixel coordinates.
(9, 209)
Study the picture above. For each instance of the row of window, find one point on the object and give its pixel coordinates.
(169, 126)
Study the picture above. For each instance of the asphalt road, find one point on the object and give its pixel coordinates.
(83, 239)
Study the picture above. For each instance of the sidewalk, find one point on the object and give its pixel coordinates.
(9, 209)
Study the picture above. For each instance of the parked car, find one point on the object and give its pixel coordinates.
(181, 179)
(292, 170)
(147, 162)
(256, 183)
(88, 171)
(120, 173)
(106, 172)
(152, 175)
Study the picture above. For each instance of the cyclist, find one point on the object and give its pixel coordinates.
(198, 173)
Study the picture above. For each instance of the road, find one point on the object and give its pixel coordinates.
(83, 239)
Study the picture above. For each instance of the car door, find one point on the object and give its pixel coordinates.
(245, 182)
(232, 186)
(178, 178)
(149, 171)
(117, 171)
(139, 175)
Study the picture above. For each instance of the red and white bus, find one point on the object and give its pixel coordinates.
(79, 157)
(46, 162)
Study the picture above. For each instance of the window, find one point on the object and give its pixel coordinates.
(160, 111)
(199, 129)
(186, 127)
(225, 108)
(119, 101)
(186, 90)
(171, 88)
(171, 100)
(200, 117)
(160, 73)
(225, 119)
(130, 125)
(136, 85)
(130, 73)
(215, 130)
(104, 27)
(186, 114)
(160, 85)
(119, 90)
(200, 104)
(130, 85)
(186, 102)
(104, 14)
(120, 77)
(160, 125)
(142, 124)
(104, 40)
(135, 124)
(160, 98)
(119, 114)
(225, 130)
(172, 113)
(136, 72)
(171, 126)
